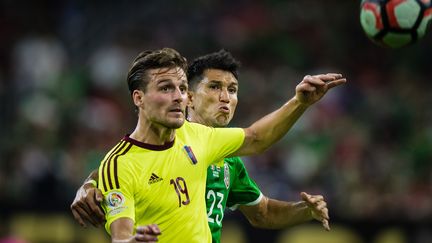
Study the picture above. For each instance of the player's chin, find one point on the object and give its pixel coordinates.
(176, 122)
(222, 121)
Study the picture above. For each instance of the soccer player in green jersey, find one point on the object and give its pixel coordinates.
(213, 86)
(224, 83)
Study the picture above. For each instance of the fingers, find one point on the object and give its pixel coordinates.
(92, 201)
(311, 199)
(332, 79)
(147, 233)
(84, 215)
(314, 83)
(330, 76)
(313, 88)
(87, 204)
(80, 210)
(304, 196)
(149, 229)
(336, 82)
(314, 80)
(321, 79)
(155, 229)
(145, 238)
(78, 217)
(325, 214)
(325, 224)
(85, 207)
(306, 87)
(318, 208)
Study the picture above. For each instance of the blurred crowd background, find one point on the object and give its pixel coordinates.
(367, 146)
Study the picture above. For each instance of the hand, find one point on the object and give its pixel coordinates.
(147, 233)
(318, 208)
(313, 88)
(86, 206)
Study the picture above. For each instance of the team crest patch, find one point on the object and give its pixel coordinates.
(226, 175)
(115, 199)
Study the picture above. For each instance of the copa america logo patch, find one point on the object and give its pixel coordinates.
(115, 199)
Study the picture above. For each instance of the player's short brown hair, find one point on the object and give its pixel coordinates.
(167, 57)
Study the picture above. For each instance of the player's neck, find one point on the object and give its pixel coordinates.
(151, 133)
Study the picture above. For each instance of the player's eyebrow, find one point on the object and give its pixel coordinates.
(235, 83)
(169, 81)
(214, 82)
(164, 81)
(218, 82)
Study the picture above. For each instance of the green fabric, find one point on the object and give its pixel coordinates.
(228, 185)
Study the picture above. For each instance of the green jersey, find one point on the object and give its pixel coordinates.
(228, 184)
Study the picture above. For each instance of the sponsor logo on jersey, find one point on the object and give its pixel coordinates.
(154, 178)
(226, 175)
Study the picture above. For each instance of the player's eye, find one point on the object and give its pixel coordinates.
(183, 88)
(232, 90)
(165, 88)
(214, 86)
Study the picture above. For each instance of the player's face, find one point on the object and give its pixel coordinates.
(215, 98)
(164, 101)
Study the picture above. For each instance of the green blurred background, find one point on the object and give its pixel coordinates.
(366, 146)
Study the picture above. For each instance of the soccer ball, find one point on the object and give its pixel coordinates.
(395, 23)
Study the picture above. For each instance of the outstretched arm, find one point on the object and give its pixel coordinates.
(274, 214)
(86, 205)
(269, 129)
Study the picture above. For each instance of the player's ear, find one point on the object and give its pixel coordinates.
(190, 99)
(138, 97)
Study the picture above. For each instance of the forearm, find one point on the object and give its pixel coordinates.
(122, 231)
(282, 214)
(271, 128)
(274, 214)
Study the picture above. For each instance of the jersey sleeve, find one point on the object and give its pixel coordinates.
(223, 142)
(244, 190)
(116, 181)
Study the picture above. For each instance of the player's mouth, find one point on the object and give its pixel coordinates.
(224, 109)
(176, 110)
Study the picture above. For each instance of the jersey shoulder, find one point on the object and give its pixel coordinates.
(236, 162)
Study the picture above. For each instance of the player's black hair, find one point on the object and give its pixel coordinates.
(222, 60)
(137, 76)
